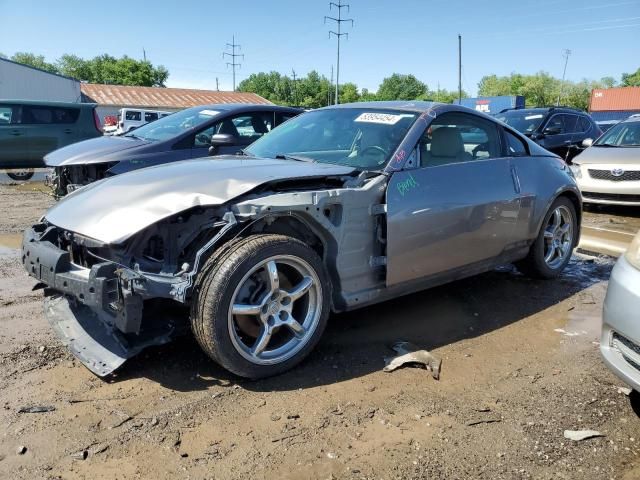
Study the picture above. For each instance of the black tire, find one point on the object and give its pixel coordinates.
(20, 175)
(534, 264)
(222, 275)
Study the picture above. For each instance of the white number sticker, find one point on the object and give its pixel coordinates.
(209, 113)
(383, 118)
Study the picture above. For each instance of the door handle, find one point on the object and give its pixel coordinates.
(16, 133)
(68, 130)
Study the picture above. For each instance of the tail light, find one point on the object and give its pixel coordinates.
(96, 121)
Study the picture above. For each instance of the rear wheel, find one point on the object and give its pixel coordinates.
(21, 175)
(552, 249)
(263, 306)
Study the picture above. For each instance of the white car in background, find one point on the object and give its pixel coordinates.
(132, 118)
(608, 172)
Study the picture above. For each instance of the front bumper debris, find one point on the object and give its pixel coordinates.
(100, 348)
(96, 312)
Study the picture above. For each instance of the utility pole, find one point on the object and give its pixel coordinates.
(339, 21)
(565, 53)
(144, 54)
(217, 85)
(330, 87)
(295, 87)
(459, 69)
(233, 45)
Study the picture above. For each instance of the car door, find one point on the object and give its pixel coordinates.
(458, 207)
(558, 133)
(14, 148)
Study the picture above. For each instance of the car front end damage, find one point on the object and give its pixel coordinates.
(100, 299)
(109, 299)
(69, 178)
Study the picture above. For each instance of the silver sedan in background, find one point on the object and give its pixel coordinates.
(620, 341)
(609, 171)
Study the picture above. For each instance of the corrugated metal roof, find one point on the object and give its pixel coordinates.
(621, 98)
(157, 97)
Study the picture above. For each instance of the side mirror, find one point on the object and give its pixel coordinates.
(221, 139)
(552, 130)
(587, 142)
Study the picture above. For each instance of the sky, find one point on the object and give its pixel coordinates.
(402, 36)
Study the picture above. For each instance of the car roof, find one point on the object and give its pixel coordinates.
(409, 105)
(546, 110)
(245, 107)
(44, 103)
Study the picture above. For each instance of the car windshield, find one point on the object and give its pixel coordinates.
(172, 125)
(625, 134)
(522, 120)
(363, 138)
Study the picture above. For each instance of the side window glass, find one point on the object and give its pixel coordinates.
(133, 115)
(252, 125)
(34, 115)
(555, 125)
(203, 138)
(6, 114)
(515, 146)
(65, 115)
(459, 137)
(585, 124)
(150, 116)
(570, 122)
(283, 117)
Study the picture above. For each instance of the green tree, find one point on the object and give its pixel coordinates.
(273, 86)
(631, 79)
(33, 60)
(349, 93)
(74, 66)
(125, 71)
(401, 87)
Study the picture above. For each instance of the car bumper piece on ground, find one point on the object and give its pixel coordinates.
(620, 341)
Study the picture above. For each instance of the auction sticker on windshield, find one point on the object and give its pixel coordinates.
(210, 113)
(531, 117)
(384, 118)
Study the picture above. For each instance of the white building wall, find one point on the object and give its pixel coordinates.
(19, 82)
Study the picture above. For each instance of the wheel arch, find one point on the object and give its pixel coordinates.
(572, 195)
(308, 230)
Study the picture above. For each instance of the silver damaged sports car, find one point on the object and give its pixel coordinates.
(336, 209)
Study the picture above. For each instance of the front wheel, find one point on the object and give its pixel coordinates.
(262, 307)
(551, 251)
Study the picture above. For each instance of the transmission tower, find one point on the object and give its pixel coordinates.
(339, 21)
(233, 45)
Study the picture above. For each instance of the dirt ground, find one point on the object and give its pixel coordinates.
(520, 366)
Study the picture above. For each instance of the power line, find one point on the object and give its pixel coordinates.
(233, 45)
(339, 21)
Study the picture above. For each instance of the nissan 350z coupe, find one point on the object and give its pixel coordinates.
(336, 209)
